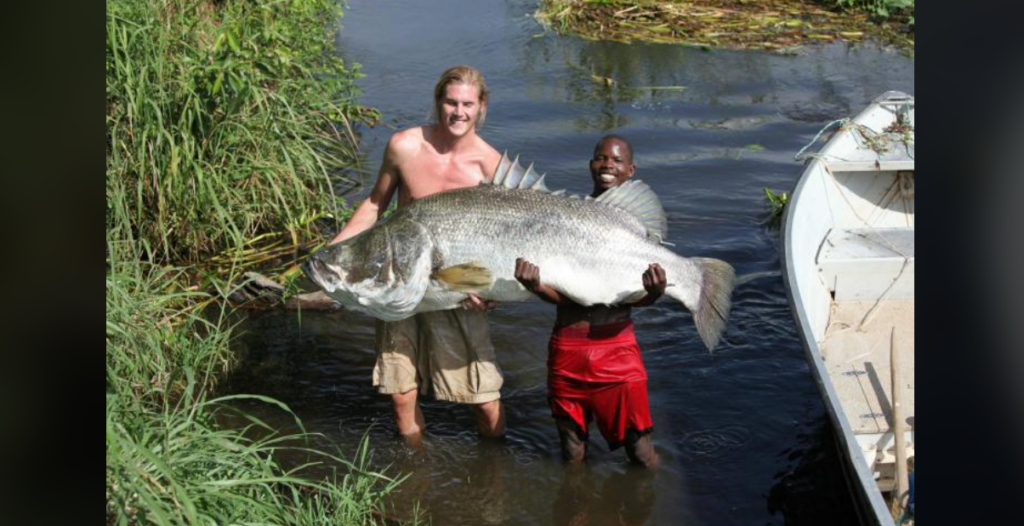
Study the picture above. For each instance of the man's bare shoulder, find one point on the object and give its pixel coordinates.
(406, 142)
(489, 156)
(485, 148)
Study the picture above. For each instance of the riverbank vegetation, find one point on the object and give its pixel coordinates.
(775, 25)
(228, 124)
(168, 460)
(225, 120)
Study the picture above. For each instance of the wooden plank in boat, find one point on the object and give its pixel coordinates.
(858, 364)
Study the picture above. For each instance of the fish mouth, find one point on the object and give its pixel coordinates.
(316, 270)
(308, 268)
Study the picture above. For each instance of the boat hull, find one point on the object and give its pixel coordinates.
(841, 203)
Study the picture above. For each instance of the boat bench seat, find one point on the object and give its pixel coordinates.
(862, 263)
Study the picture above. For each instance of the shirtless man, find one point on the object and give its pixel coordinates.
(448, 353)
(594, 366)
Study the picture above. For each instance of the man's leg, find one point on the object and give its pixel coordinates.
(490, 418)
(462, 365)
(574, 447)
(396, 370)
(408, 417)
(624, 417)
(640, 449)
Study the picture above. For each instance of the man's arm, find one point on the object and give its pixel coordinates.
(370, 210)
(528, 275)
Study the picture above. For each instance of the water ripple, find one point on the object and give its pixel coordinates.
(714, 443)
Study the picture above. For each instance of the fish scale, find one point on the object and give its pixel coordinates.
(543, 228)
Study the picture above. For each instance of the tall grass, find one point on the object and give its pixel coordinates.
(168, 462)
(224, 119)
(157, 341)
(177, 467)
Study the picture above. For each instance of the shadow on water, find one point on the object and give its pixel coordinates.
(742, 433)
(814, 491)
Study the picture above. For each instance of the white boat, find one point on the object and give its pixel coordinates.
(848, 266)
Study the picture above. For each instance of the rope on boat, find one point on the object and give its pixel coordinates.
(902, 186)
(878, 142)
(885, 295)
(800, 155)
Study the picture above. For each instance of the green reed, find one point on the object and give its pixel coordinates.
(225, 120)
(177, 466)
(168, 459)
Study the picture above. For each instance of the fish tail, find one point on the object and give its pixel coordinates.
(712, 311)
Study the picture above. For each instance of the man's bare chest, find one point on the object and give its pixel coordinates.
(431, 176)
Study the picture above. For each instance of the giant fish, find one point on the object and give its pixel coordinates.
(431, 254)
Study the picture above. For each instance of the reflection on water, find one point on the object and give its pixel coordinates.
(585, 497)
(742, 434)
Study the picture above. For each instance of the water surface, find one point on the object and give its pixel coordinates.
(742, 433)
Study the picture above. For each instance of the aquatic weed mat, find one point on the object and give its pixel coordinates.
(773, 25)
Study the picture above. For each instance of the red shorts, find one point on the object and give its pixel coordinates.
(597, 374)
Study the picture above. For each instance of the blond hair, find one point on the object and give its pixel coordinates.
(462, 74)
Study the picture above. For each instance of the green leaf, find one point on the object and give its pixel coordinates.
(233, 42)
(217, 84)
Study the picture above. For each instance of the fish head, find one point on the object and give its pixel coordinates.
(383, 271)
(329, 268)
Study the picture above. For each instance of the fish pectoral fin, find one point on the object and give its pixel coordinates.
(467, 277)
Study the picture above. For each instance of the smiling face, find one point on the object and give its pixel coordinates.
(459, 109)
(611, 165)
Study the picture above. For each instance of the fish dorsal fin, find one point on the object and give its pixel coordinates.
(511, 175)
(638, 199)
(634, 197)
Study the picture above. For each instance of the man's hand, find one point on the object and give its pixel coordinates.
(527, 274)
(473, 302)
(654, 280)
(654, 283)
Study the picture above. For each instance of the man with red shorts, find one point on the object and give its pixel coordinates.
(595, 371)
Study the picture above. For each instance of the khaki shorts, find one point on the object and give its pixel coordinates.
(448, 354)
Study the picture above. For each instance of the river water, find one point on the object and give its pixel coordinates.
(742, 434)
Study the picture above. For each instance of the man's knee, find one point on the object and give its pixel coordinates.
(574, 451)
(408, 418)
(489, 408)
(404, 401)
(490, 418)
(640, 449)
(574, 444)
